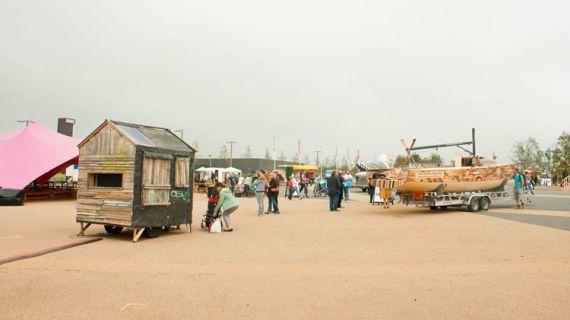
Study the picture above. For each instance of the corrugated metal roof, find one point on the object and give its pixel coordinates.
(152, 136)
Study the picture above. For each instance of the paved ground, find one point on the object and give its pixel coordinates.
(544, 199)
(364, 263)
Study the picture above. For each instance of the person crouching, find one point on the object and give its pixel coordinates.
(228, 203)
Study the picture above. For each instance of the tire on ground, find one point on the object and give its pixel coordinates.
(484, 204)
(474, 204)
(152, 232)
(113, 229)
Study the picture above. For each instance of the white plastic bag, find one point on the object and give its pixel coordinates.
(216, 226)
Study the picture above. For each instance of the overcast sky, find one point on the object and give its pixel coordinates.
(353, 74)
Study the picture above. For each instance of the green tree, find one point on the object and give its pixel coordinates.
(435, 158)
(561, 157)
(282, 156)
(307, 160)
(399, 161)
(528, 154)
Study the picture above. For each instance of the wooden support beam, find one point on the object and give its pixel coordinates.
(188, 226)
(83, 228)
(137, 233)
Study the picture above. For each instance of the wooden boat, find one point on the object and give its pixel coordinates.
(457, 179)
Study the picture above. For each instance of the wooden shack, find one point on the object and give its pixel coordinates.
(134, 176)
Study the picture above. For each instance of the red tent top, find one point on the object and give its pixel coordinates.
(34, 152)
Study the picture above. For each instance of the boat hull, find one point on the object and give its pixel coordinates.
(452, 186)
(465, 179)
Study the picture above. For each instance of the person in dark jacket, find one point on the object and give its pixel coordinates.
(340, 193)
(333, 188)
(273, 194)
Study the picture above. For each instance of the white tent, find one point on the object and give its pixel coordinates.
(205, 173)
(232, 170)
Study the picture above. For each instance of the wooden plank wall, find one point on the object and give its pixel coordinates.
(106, 152)
(182, 173)
(156, 181)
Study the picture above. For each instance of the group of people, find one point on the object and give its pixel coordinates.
(338, 188)
(298, 184)
(266, 183)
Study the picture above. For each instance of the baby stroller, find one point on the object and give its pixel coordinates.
(208, 218)
(320, 188)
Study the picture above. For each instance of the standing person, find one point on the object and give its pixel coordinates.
(260, 189)
(232, 182)
(347, 185)
(247, 186)
(228, 203)
(273, 194)
(529, 183)
(341, 190)
(333, 188)
(278, 179)
(304, 185)
(385, 193)
(290, 186)
(371, 190)
(518, 189)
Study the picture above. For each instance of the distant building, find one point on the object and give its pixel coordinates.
(247, 166)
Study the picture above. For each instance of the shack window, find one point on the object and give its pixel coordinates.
(182, 179)
(105, 180)
(156, 182)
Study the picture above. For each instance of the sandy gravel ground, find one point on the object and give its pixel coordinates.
(364, 263)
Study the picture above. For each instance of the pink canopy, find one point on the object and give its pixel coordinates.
(34, 153)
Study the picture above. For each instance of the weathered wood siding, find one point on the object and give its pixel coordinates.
(156, 182)
(106, 152)
(182, 173)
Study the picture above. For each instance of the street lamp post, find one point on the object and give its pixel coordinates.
(231, 151)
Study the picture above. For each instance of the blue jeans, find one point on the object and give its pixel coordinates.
(346, 190)
(273, 205)
(333, 201)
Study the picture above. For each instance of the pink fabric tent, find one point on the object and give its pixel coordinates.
(34, 152)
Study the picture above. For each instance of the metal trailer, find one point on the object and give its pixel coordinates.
(474, 201)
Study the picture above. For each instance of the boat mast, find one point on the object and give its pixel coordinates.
(456, 144)
(474, 154)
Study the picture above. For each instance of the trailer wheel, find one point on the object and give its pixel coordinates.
(474, 205)
(484, 203)
(433, 208)
(113, 229)
(152, 232)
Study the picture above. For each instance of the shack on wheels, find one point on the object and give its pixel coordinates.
(136, 177)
